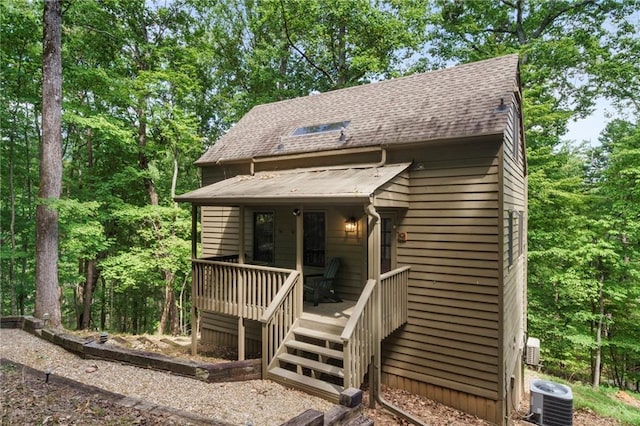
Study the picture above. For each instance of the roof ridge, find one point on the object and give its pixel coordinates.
(392, 79)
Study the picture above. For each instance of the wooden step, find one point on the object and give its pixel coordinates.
(307, 384)
(320, 350)
(312, 364)
(329, 325)
(320, 335)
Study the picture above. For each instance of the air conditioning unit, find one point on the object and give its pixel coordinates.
(533, 351)
(551, 403)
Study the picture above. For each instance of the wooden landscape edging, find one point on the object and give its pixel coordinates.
(174, 414)
(349, 410)
(232, 371)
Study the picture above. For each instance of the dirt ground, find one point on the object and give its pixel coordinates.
(436, 414)
(33, 402)
(29, 400)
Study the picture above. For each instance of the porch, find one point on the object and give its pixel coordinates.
(320, 349)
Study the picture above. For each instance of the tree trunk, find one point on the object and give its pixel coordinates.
(47, 293)
(103, 309)
(12, 222)
(90, 283)
(598, 359)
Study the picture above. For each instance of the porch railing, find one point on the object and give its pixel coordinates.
(358, 336)
(280, 317)
(240, 290)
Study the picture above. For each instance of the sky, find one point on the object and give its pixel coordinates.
(589, 129)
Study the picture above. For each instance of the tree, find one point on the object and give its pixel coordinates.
(47, 290)
(20, 66)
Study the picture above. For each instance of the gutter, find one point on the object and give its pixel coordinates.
(370, 210)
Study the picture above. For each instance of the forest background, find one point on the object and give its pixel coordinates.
(149, 85)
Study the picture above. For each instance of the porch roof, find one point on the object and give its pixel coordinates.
(324, 185)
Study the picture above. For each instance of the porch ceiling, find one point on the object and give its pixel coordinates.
(327, 185)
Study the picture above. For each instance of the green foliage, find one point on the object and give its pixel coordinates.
(149, 85)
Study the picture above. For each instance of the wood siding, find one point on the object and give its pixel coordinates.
(451, 340)
(222, 330)
(394, 193)
(513, 310)
(220, 231)
(482, 407)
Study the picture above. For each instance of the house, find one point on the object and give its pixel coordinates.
(419, 186)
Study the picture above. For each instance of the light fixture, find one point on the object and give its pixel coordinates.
(296, 212)
(350, 225)
(45, 318)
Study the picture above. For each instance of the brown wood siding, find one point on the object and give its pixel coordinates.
(513, 277)
(220, 231)
(394, 193)
(222, 330)
(485, 408)
(451, 339)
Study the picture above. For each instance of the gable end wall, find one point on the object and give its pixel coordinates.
(450, 348)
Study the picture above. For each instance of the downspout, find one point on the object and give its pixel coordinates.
(383, 158)
(370, 210)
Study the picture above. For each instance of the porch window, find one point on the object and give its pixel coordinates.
(263, 237)
(386, 244)
(314, 235)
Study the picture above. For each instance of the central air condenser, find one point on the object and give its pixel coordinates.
(551, 403)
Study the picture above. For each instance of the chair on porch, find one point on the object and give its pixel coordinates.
(320, 286)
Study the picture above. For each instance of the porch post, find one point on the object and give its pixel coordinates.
(195, 325)
(241, 286)
(373, 253)
(299, 258)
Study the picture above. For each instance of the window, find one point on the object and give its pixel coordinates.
(263, 237)
(314, 236)
(520, 233)
(320, 128)
(386, 244)
(516, 132)
(510, 238)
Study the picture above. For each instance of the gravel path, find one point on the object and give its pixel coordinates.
(254, 402)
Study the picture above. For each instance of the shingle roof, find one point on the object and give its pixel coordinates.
(456, 102)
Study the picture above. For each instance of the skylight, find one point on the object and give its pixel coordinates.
(320, 128)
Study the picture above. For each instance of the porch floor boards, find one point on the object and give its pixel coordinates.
(329, 313)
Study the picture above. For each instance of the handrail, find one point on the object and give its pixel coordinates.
(357, 310)
(358, 335)
(280, 297)
(241, 265)
(279, 318)
(394, 272)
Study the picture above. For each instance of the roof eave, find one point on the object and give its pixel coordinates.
(348, 150)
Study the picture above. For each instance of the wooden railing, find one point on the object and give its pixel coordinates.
(358, 337)
(395, 299)
(240, 290)
(280, 317)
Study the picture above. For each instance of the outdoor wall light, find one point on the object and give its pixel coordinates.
(350, 225)
(296, 212)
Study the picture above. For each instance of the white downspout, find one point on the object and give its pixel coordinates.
(383, 158)
(370, 210)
